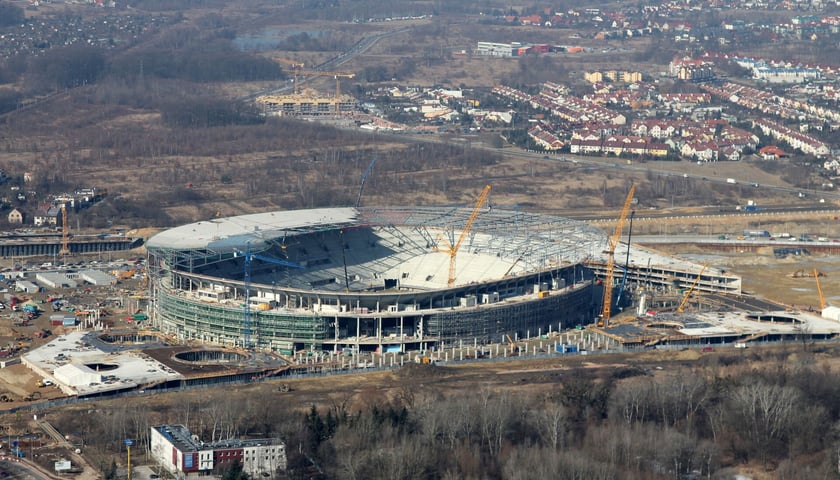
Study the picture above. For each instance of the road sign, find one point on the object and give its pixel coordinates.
(129, 442)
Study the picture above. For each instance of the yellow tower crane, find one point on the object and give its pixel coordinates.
(690, 289)
(65, 232)
(296, 66)
(613, 242)
(338, 76)
(452, 249)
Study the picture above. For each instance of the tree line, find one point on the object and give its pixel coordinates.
(774, 410)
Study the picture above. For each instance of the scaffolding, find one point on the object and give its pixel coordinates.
(371, 273)
(190, 319)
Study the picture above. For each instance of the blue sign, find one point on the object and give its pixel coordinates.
(129, 442)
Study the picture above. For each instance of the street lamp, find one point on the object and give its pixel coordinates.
(128, 443)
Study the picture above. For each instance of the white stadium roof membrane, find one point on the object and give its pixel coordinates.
(224, 235)
(517, 241)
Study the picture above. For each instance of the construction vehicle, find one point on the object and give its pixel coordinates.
(688, 292)
(32, 397)
(613, 242)
(452, 248)
(124, 274)
(512, 344)
(801, 273)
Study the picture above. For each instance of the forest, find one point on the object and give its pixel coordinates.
(770, 411)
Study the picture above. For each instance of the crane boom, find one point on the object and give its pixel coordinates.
(819, 290)
(512, 343)
(249, 257)
(613, 242)
(362, 186)
(690, 289)
(453, 249)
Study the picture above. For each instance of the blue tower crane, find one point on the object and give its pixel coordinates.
(626, 261)
(250, 256)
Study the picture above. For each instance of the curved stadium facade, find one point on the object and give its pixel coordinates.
(372, 278)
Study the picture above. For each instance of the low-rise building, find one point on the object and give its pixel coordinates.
(181, 453)
(15, 216)
(49, 216)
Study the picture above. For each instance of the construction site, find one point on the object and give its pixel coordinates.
(371, 279)
(401, 279)
(238, 299)
(305, 101)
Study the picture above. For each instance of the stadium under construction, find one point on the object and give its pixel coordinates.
(388, 279)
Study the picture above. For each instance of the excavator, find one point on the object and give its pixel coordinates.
(801, 273)
(512, 344)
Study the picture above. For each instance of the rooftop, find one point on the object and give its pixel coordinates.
(117, 371)
(185, 441)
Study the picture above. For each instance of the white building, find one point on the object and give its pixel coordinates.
(181, 453)
(96, 277)
(26, 286)
(54, 280)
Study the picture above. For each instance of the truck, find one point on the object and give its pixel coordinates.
(731, 180)
(756, 233)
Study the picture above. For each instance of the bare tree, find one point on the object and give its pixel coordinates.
(553, 425)
(764, 412)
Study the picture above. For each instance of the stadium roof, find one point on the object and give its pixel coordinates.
(223, 235)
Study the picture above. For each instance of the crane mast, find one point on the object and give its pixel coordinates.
(296, 72)
(613, 242)
(249, 257)
(65, 232)
(338, 76)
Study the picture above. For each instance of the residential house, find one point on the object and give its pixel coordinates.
(15, 216)
(47, 216)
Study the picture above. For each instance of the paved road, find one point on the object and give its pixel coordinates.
(359, 48)
(21, 470)
(620, 165)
